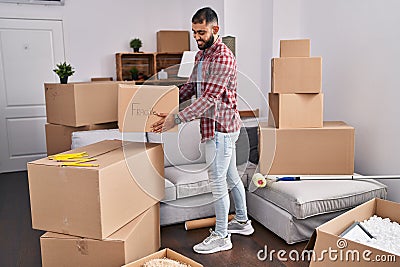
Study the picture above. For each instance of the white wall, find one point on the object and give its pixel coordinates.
(251, 23)
(286, 22)
(359, 41)
(95, 30)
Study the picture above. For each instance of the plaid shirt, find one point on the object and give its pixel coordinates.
(217, 105)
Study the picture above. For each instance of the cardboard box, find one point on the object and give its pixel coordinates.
(165, 253)
(295, 110)
(295, 48)
(81, 104)
(173, 41)
(94, 202)
(137, 105)
(59, 137)
(303, 151)
(296, 75)
(133, 241)
(326, 237)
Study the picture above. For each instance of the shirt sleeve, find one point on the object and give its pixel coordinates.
(186, 91)
(220, 72)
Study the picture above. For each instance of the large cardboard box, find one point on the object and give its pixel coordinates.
(173, 41)
(133, 241)
(296, 75)
(331, 250)
(165, 253)
(138, 105)
(59, 137)
(295, 48)
(94, 202)
(295, 110)
(303, 151)
(81, 104)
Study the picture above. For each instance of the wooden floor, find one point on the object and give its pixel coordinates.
(19, 243)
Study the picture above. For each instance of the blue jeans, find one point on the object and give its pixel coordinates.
(223, 175)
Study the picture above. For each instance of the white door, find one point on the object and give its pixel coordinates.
(29, 51)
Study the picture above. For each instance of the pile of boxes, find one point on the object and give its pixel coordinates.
(105, 215)
(78, 107)
(296, 140)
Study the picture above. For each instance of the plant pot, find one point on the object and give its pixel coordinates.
(135, 76)
(64, 80)
(136, 50)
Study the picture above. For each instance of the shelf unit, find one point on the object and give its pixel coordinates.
(148, 64)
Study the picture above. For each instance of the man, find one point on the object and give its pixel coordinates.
(214, 82)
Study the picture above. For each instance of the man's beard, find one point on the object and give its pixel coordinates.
(207, 44)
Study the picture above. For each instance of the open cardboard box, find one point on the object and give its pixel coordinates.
(94, 202)
(165, 253)
(325, 239)
(133, 241)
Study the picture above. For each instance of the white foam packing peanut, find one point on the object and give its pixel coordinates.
(386, 234)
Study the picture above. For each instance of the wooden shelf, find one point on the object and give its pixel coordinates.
(148, 64)
(175, 81)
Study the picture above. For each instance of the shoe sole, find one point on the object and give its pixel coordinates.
(218, 249)
(242, 232)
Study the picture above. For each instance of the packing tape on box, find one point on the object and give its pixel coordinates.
(82, 246)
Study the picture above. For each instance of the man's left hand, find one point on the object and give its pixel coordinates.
(166, 123)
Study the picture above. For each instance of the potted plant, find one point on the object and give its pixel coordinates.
(136, 44)
(135, 73)
(63, 71)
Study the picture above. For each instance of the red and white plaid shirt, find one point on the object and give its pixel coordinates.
(217, 105)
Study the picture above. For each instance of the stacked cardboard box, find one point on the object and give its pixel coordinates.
(138, 106)
(173, 41)
(78, 107)
(106, 215)
(296, 140)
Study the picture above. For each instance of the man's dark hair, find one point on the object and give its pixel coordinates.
(205, 14)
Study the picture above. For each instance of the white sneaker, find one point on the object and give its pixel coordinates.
(235, 227)
(213, 243)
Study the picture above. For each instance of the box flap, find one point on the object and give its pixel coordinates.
(340, 223)
(179, 257)
(388, 209)
(57, 235)
(124, 231)
(94, 150)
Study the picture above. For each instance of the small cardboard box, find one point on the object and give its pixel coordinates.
(138, 105)
(165, 253)
(59, 137)
(94, 202)
(295, 48)
(133, 241)
(345, 252)
(307, 151)
(173, 41)
(296, 75)
(81, 104)
(295, 110)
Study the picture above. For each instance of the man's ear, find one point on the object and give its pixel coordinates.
(215, 29)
